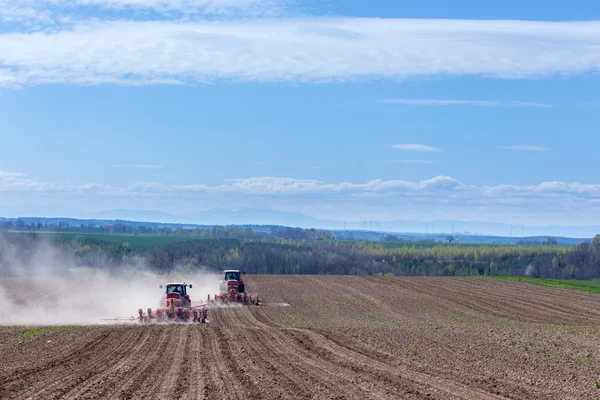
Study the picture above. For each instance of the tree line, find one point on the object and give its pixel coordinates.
(27, 254)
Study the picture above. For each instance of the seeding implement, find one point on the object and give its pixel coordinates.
(176, 305)
(233, 290)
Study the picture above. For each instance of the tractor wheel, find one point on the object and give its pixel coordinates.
(241, 289)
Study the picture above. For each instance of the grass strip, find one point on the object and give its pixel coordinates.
(591, 286)
(34, 332)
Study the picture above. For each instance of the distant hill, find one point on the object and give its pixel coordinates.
(247, 218)
(217, 216)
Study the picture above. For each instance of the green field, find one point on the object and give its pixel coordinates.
(428, 245)
(398, 245)
(39, 331)
(592, 286)
(137, 242)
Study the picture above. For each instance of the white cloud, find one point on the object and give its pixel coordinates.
(439, 197)
(212, 6)
(139, 166)
(415, 147)
(5, 174)
(527, 104)
(272, 185)
(552, 188)
(266, 185)
(525, 147)
(411, 161)
(55, 11)
(480, 103)
(294, 50)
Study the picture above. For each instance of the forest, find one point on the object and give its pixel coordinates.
(29, 253)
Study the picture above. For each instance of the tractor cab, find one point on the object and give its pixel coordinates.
(232, 280)
(232, 275)
(177, 292)
(176, 288)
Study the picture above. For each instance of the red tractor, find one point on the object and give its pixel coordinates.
(232, 281)
(175, 304)
(177, 292)
(233, 289)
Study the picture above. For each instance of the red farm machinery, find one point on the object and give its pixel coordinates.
(175, 305)
(232, 289)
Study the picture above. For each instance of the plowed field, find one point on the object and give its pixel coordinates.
(328, 337)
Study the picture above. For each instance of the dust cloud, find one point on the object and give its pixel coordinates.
(89, 299)
(51, 290)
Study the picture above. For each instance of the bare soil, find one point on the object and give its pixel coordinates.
(329, 337)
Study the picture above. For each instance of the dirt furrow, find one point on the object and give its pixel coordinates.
(278, 368)
(392, 371)
(55, 379)
(147, 380)
(511, 299)
(330, 337)
(472, 380)
(110, 380)
(194, 374)
(175, 364)
(348, 379)
(222, 380)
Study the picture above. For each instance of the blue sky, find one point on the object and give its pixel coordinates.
(336, 109)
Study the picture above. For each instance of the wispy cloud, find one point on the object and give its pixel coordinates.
(415, 147)
(525, 147)
(135, 52)
(439, 196)
(57, 11)
(6, 174)
(266, 185)
(208, 6)
(480, 103)
(138, 166)
(412, 161)
(269, 185)
(526, 104)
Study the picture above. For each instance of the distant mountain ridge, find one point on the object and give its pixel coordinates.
(218, 216)
(222, 216)
(257, 217)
